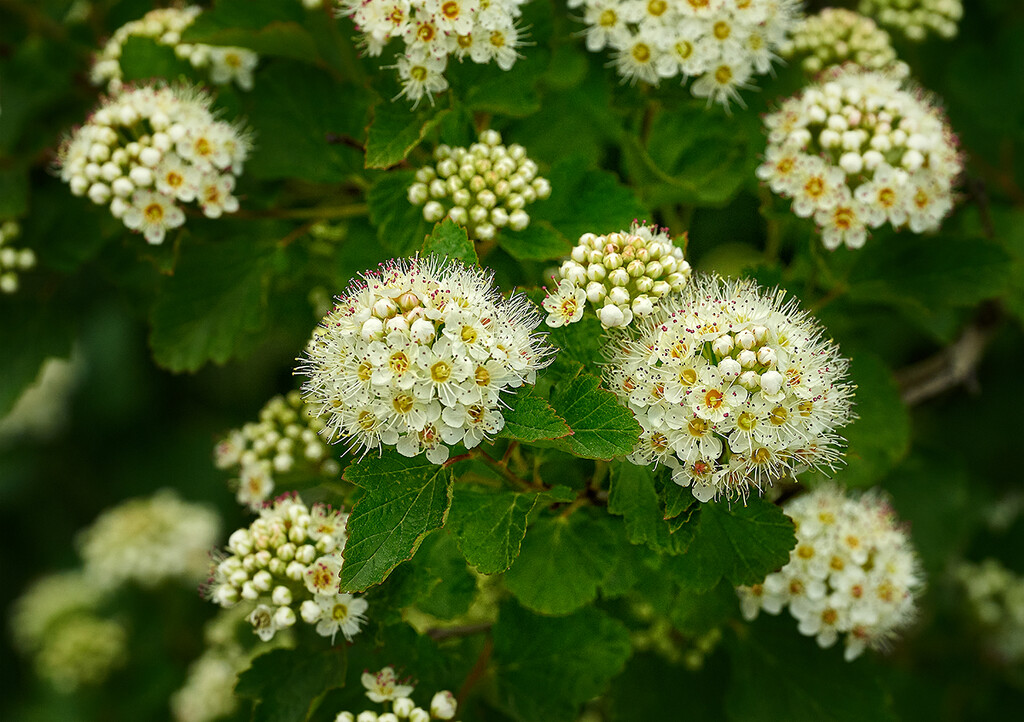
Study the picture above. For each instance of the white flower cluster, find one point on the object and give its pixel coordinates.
(149, 541)
(432, 30)
(285, 439)
(56, 622)
(165, 26)
(996, 597)
(623, 274)
(485, 187)
(12, 260)
(853, 572)
(858, 151)
(416, 356)
(149, 147)
(290, 557)
(384, 688)
(734, 387)
(720, 43)
(916, 18)
(836, 36)
(41, 410)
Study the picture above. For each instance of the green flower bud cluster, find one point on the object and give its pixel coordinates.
(836, 36)
(12, 260)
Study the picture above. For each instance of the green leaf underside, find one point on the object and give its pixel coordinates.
(289, 682)
(531, 418)
(404, 499)
(489, 526)
(450, 240)
(602, 428)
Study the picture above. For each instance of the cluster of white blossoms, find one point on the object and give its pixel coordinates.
(165, 26)
(12, 260)
(996, 597)
(147, 148)
(485, 187)
(385, 688)
(416, 356)
(149, 541)
(916, 18)
(623, 274)
(853, 572)
(836, 36)
(432, 30)
(284, 440)
(733, 386)
(56, 621)
(288, 558)
(857, 151)
(719, 43)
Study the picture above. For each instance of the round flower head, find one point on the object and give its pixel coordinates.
(857, 151)
(623, 275)
(284, 440)
(286, 566)
(12, 260)
(149, 541)
(733, 386)
(485, 187)
(917, 18)
(148, 148)
(432, 30)
(165, 26)
(836, 36)
(995, 598)
(853, 572)
(416, 356)
(720, 44)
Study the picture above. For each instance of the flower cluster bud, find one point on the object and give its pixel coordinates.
(856, 150)
(719, 43)
(12, 260)
(285, 440)
(385, 689)
(432, 31)
(734, 387)
(623, 275)
(853, 571)
(485, 187)
(995, 597)
(285, 567)
(835, 36)
(165, 26)
(917, 18)
(149, 147)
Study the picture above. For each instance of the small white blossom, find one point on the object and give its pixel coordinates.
(383, 686)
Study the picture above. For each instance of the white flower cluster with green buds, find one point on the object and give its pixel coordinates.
(720, 43)
(147, 148)
(916, 18)
(12, 260)
(836, 36)
(384, 688)
(996, 597)
(856, 151)
(285, 439)
(853, 572)
(56, 621)
(623, 275)
(734, 387)
(287, 559)
(485, 187)
(416, 356)
(149, 541)
(165, 26)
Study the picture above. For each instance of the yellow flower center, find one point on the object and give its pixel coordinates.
(402, 403)
(440, 372)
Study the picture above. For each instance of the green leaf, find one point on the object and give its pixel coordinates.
(562, 562)
(602, 428)
(633, 496)
(531, 418)
(447, 588)
(580, 342)
(450, 240)
(404, 499)
(400, 225)
(395, 131)
(489, 525)
(742, 543)
(547, 668)
(143, 58)
(778, 674)
(694, 613)
(539, 241)
(288, 684)
(269, 27)
(213, 306)
(31, 333)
